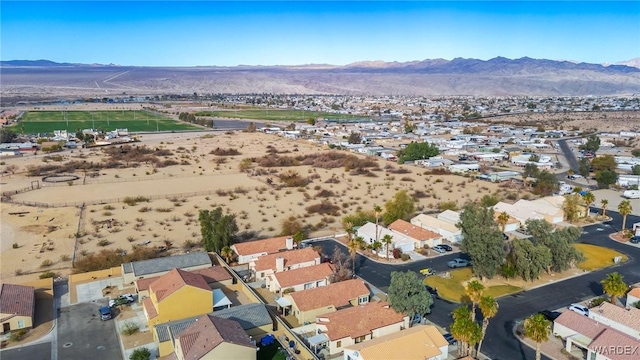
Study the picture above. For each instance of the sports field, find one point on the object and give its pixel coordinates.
(34, 122)
(273, 115)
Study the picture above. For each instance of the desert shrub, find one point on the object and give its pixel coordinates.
(447, 205)
(189, 244)
(104, 242)
(140, 354)
(133, 201)
(145, 209)
(64, 257)
(130, 328)
(405, 257)
(293, 179)
(290, 226)
(46, 263)
(407, 178)
(18, 272)
(15, 245)
(359, 218)
(164, 210)
(17, 335)
(419, 194)
(48, 275)
(108, 258)
(224, 152)
(596, 302)
(325, 193)
(324, 208)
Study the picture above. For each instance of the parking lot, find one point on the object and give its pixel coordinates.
(82, 335)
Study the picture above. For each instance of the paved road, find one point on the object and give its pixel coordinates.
(569, 155)
(499, 342)
(40, 351)
(82, 335)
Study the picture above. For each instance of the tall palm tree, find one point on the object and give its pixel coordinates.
(474, 290)
(465, 330)
(489, 307)
(537, 328)
(377, 211)
(614, 286)
(227, 254)
(353, 247)
(348, 228)
(589, 199)
(503, 219)
(625, 209)
(387, 240)
(604, 203)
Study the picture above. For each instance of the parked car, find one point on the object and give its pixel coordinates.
(550, 315)
(631, 194)
(105, 313)
(580, 309)
(446, 247)
(635, 240)
(432, 291)
(121, 300)
(439, 249)
(427, 271)
(450, 339)
(458, 263)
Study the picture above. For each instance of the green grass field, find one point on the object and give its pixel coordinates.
(34, 122)
(274, 115)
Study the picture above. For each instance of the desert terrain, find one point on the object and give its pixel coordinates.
(319, 194)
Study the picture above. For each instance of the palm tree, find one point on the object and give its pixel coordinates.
(348, 228)
(353, 247)
(589, 199)
(625, 209)
(537, 328)
(465, 330)
(503, 219)
(489, 307)
(474, 290)
(604, 203)
(377, 210)
(614, 286)
(387, 240)
(227, 253)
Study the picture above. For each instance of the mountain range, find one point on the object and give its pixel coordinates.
(495, 77)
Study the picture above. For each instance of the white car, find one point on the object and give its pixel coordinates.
(580, 309)
(631, 194)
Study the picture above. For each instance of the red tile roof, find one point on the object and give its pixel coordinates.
(16, 300)
(151, 310)
(304, 275)
(291, 258)
(269, 246)
(207, 333)
(175, 279)
(412, 231)
(629, 316)
(614, 339)
(210, 274)
(359, 320)
(337, 294)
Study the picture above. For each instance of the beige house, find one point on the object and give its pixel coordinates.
(354, 325)
(308, 277)
(550, 208)
(215, 276)
(252, 250)
(306, 305)
(417, 343)
(422, 237)
(17, 307)
(210, 338)
(267, 265)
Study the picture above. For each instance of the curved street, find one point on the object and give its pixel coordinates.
(500, 343)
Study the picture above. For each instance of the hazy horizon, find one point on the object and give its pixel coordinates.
(211, 33)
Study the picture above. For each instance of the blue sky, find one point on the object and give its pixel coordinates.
(163, 33)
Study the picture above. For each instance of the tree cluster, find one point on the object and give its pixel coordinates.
(402, 206)
(482, 240)
(417, 151)
(592, 144)
(218, 230)
(408, 295)
(7, 135)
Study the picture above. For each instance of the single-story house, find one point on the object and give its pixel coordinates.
(633, 296)
(416, 343)
(283, 261)
(520, 213)
(307, 277)
(544, 207)
(17, 307)
(448, 230)
(155, 267)
(306, 305)
(350, 326)
(626, 320)
(368, 233)
(251, 250)
(211, 337)
(422, 237)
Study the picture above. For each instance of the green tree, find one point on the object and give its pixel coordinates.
(625, 209)
(401, 206)
(604, 203)
(474, 291)
(530, 260)
(140, 354)
(635, 152)
(227, 254)
(534, 158)
(408, 295)
(604, 162)
(353, 245)
(584, 167)
(537, 328)
(546, 184)
(614, 286)
(358, 218)
(377, 211)
(531, 170)
(466, 331)
(482, 239)
(606, 178)
(298, 236)
(311, 121)
(7, 135)
(489, 200)
(417, 151)
(635, 169)
(592, 144)
(503, 219)
(589, 199)
(558, 242)
(571, 206)
(489, 308)
(355, 138)
(218, 230)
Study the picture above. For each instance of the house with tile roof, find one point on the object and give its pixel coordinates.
(283, 261)
(597, 339)
(253, 318)
(448, 230)
(398, 240)
(307, 277)
(177, 295)
(252, 250)
(215, 276)
(421, 237)
(210, 337)
(17, 307)
(633, 297)
(623, 319)
(155, 267)
(416, 343)
(306, 305)
(350, 326)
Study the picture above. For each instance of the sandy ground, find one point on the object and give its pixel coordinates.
(48, 233)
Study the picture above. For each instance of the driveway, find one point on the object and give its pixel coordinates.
(82, 335)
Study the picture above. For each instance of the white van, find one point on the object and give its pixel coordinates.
(631, 194)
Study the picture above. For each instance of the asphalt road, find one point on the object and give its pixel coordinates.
(82, 335)
(569, 155)
(40, 351)
(499, 342)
